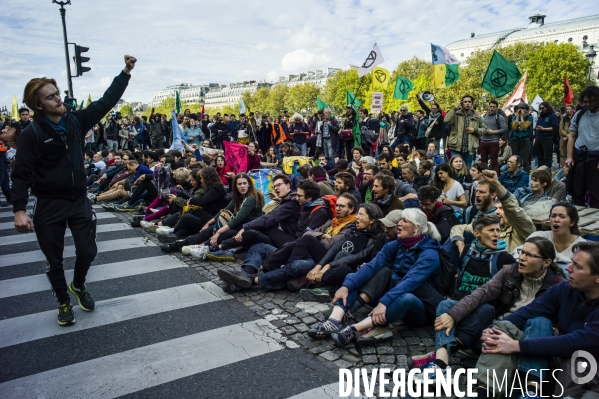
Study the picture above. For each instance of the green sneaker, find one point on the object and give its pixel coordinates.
(86, 302)
(66, 316)
(223, 255)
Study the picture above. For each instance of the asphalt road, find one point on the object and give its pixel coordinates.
(160, 329)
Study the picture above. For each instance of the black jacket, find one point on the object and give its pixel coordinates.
(55, 167)
(285, 216)
(374, 244)
(213, 201)
(312, 218)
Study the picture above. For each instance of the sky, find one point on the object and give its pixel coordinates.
(228, 41)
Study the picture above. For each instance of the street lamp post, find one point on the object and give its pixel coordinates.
(591, 54)
(63, 12)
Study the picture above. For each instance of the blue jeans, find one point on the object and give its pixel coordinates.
(407, 307)
(278, 278)
(327, 149)
(468, 330)
(534, 328)
(256, 255)
(400, 140)
(468, 158)
(303, 148)
(278, 151)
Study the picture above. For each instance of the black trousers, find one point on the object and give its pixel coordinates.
(271, 236)
(203, 236)
(305, 247)
(543, 149)
(51, 218)
(144, 186)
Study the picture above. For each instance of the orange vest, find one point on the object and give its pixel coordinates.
(278, 134)
(3, 146)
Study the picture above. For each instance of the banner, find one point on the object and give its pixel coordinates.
(241, 107)
(536, 102)
(380, 79)
(262, 179)
(518, 96)
(352, 99)
(445, 67)
(236, 156)
(403, 87)
(89, 100)
(177, 134)
(501, 77)
(177, 102)
(377, 102)
(14, 110)
(373, 59)
(568, 93)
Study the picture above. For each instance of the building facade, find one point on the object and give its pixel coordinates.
(582, 32)
(188, 93)
(318, 78)
(231, 94)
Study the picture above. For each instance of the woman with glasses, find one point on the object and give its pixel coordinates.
(459, 326)
(564, 233)
(409, 295)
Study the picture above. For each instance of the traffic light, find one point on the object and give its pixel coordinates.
(79, 60)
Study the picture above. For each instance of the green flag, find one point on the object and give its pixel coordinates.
(452, 74)
(353, 100)
(321, 104)
(81, 105)
(501, 76)
(403, 87)
(177, 102)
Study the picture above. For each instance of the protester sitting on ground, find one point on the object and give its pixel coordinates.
(484, 201)
(459, 170)
(459, 324)
(345, 182)
(161, 206)
(383, 190)
(515, 177)
(143, 183)
(436, 212)
(432, 153)
(225, 172)
(516, 225)
(555, 189)
(410, 175)
(426, 169)
(368, 173)
(564, 233)
(341, 166)
(505, 152)
(104, 180)
(452, 192)
(528, 337)
(276, 228)
(476, 174)
(204, 205)
(385, 161)
(319, 175)
(304, 254)
(254, 161)
(246, 205)
(357, 246)
(530, 197)
(409, 296)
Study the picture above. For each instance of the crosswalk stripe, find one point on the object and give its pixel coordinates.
(69, 251)
(102, 228)
(149, 366)
(11, 225)
(30, 207)
(42, 325)
(39, 282)
(324, 392)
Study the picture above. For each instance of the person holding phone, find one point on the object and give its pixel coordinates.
(521, 135)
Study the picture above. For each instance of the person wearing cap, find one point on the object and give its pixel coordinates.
(522, 124)
(390, 224)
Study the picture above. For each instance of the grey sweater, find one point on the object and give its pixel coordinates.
(491, 122)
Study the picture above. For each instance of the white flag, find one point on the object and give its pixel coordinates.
(241, 107)
(536, 102)
(374, 58)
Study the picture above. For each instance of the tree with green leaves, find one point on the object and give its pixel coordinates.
(302, 98)
(126, 110)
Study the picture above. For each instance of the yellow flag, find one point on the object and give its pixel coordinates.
(439, 72)
(14, 111)
(89, 100)
(380, 79)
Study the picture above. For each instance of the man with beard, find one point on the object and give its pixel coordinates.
(345, 182)
(383, 189)
(51, 161)
(367, 181)
(483, 202)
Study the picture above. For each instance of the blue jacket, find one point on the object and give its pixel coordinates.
(234, 127)
(577, 320)
(141, 133)
(142, 170)
(548, 121)
(511, 183)
(411, 267)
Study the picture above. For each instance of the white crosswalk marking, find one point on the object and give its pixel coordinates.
(42, 325)
(99, 216)
(157, 323)
(9, 212)
(29, 284)
(30, 237)
(149, 366)
(69, 251)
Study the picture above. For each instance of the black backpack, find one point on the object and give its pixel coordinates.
(447, 274)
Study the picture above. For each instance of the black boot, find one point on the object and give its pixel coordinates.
(172, 246)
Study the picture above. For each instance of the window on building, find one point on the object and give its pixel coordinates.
(570, 40)
(585, 37)
(461, 55)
